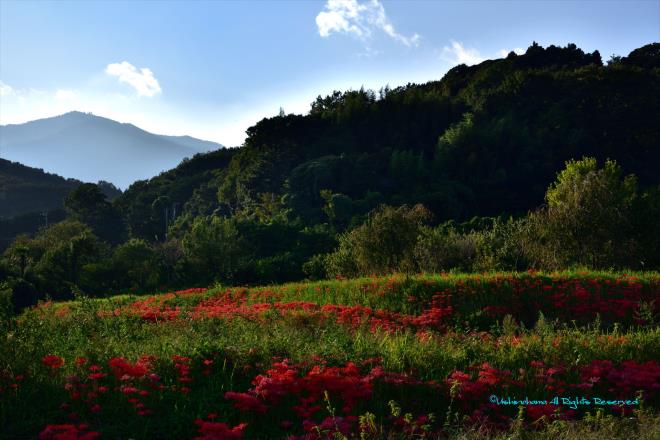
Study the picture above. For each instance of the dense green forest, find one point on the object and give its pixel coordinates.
(24, 190)
(30, 199)
(543, 160)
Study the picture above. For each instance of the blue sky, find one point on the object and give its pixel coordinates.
(211, 69)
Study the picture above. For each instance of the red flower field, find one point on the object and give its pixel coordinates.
(398, 358)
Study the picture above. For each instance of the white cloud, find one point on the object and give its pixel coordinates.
(5, 89)
(503, 53)
(358, 19)
(64, 95)
(142, 80)
(459, 54)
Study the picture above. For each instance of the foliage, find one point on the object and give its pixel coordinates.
(301, 196)
(213, 247)
(383, 244)
(24, 189)
(56, 258)
(88, 205)
(438, 251)
(589, 218)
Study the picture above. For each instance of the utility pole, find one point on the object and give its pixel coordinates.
(44, 214)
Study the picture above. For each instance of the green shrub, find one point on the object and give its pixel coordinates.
(385, 243)
(6, 304)
(438, 251)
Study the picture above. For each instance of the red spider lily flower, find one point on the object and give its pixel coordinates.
(219, 431)
(52, 361)
(246, 402)
(128, 389)
(96, 376)
(121, 368)
(181, 359)
(68, 431)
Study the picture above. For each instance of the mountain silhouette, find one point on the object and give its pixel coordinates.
(91, 148)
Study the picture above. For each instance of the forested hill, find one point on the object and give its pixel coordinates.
(24, 189)
(322, 195)
(484, 140)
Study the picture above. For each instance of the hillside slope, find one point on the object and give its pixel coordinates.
(484, 140)
(24, 189)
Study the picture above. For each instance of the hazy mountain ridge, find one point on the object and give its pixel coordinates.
(92, 148)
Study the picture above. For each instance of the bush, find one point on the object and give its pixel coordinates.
(214, 248)
(588, 220)
(6, 304)
(385, 243)
(314, 268)
(438, 250)
(502, 247)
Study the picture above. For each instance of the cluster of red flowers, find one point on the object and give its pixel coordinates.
(68, 432)
(599, 378)
(624, 380)
(564, 298)
(52, 361)
(306, 393)
(302, 392)
(219, 431)
(182, 366)
(193, 290)
(299, 394)
(134, 381)
(283, 379)
(153, 308)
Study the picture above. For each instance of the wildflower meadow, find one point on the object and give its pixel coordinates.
(425, 356)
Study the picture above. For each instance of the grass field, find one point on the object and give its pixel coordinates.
(426, 356)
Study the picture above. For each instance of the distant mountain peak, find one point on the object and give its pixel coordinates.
(89, 147)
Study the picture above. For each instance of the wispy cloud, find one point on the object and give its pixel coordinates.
(503, 53)
(5, 89)
(65, 95)
(360, 20)
(459, 54)
(142, 80)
